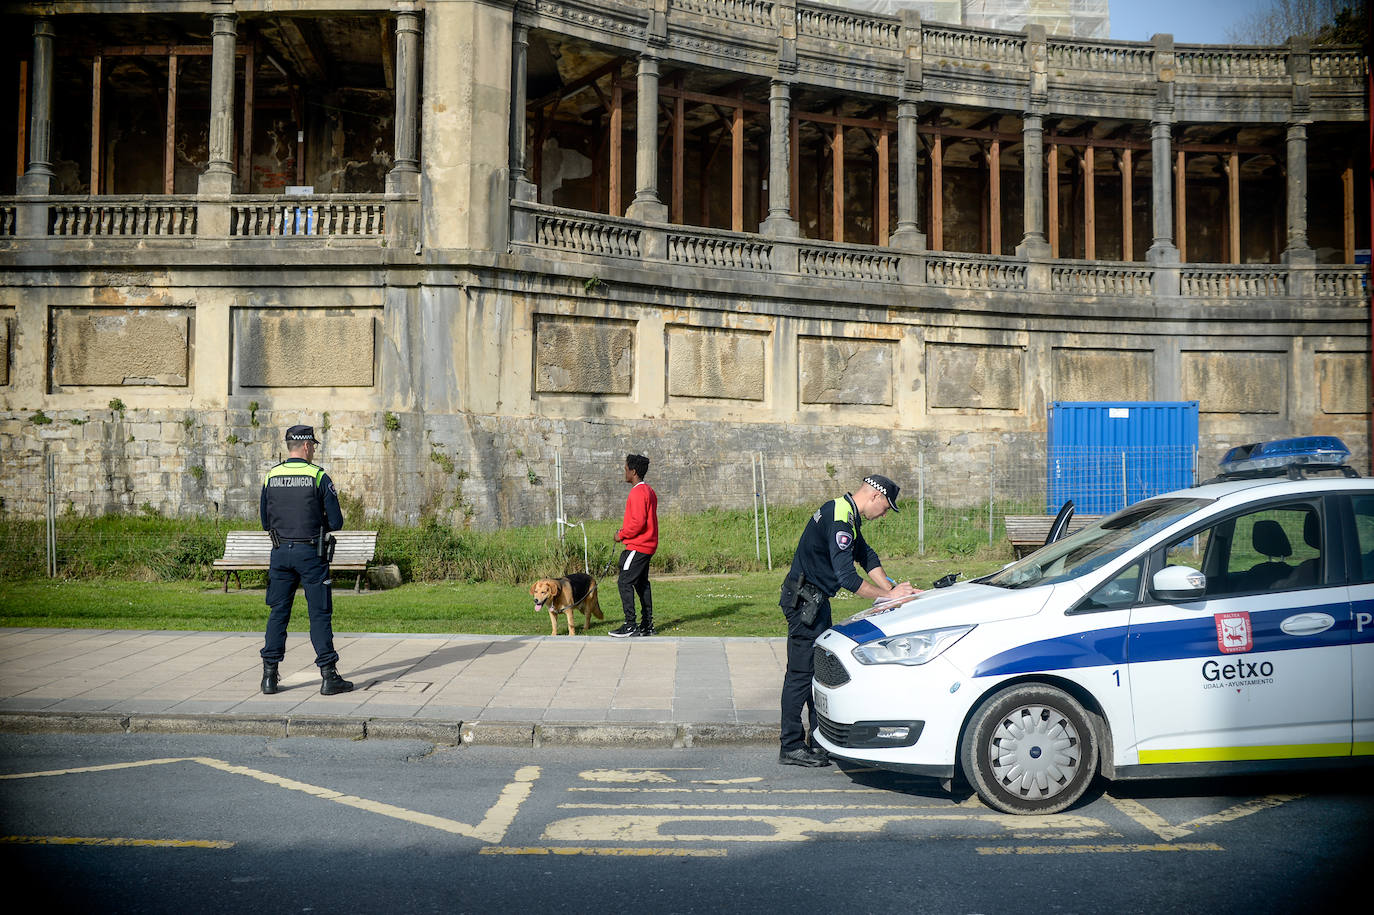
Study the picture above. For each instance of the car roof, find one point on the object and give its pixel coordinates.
(1246, 490)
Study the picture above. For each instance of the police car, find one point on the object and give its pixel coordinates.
(1221, 629)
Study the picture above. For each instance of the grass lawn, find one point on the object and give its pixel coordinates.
(734, 604)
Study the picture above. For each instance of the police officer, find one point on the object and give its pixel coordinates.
(299, 506)
(830, 545)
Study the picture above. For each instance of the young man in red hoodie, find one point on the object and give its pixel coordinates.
(639, 535)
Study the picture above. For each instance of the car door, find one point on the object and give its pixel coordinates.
(1259, 667)
(1361, 561)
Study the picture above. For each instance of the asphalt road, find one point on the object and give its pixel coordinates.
(165, 823)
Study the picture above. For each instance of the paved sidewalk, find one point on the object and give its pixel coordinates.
(533, 690)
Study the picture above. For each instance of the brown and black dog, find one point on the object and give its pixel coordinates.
(563, 595)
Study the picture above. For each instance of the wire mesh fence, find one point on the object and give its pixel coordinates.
(80, 518)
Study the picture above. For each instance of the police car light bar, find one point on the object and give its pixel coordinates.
(1312, 452)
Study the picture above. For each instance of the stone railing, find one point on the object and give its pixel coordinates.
(848, 263)
(1232, 281)
(739, 252)
(1232, 63)
(331, 215)
(1103, 58)
(85, 217)
(586, 233)
(831, 24)
(6, 220)
(974, 271)
(751, 12)
(1338, 63)
(1102, 279)
(1344, 282)
(942, 45)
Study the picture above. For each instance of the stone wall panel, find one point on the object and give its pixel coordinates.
(583, 356)
(1343, 382)
(281, 348)
(1101, 374)
(96, 346)
(4, 349)
(707, 362)
(1232, 382)
(974, 377)
(846, 371)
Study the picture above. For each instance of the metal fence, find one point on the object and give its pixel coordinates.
(55, 518)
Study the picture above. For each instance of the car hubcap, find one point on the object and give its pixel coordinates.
(1035, 752)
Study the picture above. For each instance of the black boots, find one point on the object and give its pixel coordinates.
(331, 683)
(269, 677)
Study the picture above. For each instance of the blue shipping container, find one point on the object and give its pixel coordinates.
(1106, 455)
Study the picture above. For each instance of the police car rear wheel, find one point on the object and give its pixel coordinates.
(1030, 749)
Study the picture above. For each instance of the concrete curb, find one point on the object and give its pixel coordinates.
(447, 733)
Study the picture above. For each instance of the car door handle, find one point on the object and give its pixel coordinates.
(1307, 623)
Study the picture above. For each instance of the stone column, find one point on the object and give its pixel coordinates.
(1033, 242)
(1298, 251)
(218, 178)
(521, 187)
(647, 206)
(908, 235)
(1162, 249)
(404, 177)
(779, 222)
(38, 173)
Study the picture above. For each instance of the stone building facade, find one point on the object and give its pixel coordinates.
(480, 239)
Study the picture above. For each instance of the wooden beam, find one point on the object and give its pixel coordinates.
(96, 156)
(883, 185)
(679, 151)
(21, 155)
(837, 183)
(160, 50)
(1348, 211)
(1052, 206)
(937, 194)
(1232, 166)
(617, 129)
(388, 54)
(250, 64)
(1127, 213)
(1089, 205)
(169, 153)
(1181, 203)
(586, 80)
(737, 171)
(300, 38)
(995, 197)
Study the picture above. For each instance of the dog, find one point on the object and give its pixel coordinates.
(563, 595)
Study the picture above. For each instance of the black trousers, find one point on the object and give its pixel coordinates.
(298, 564)
(634, 579)
(796, 683)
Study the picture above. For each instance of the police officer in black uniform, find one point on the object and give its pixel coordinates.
(830, 545)
(299, 507)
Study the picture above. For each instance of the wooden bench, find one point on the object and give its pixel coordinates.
(353, 551)
(1028, 532)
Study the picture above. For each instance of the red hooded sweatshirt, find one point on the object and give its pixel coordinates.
(639, 530)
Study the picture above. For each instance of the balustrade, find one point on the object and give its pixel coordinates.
(116, 216)
(1232, 282)
(972, 272)
(712, 251)
(940, 44)
(751, 12)
(1102, 280)
(839, 263)
(830, 24)
(332, 215)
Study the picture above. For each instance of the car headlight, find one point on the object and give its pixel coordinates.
(911, 649)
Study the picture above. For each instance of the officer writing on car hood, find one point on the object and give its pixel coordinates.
(299, 507)
(830, 546)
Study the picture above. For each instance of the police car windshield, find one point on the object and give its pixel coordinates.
(1093, 546)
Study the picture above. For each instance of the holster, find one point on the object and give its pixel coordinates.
(800, 595)
(324, 546)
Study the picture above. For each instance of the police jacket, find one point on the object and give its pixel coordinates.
(830, 545)
(298, 499)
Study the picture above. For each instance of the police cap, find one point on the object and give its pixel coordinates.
(885, 486)
(301, 434)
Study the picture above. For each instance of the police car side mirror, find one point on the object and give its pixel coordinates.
(1178, 583)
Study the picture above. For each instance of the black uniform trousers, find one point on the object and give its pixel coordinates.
(293, 564)
(634, 579)
(796, 683)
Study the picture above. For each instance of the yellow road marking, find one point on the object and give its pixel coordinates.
(492, 828)
(728, 781)
(627, 775)
(649, 828)
(1162, 828)
(1097, 849)
(628, 790)
(114, 841)
(753, 806)
(640, 852)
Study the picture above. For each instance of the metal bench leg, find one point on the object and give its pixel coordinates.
(358, 583)
(226, 582)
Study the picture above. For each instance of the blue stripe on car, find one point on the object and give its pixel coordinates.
(1166, 641)
(860, 631)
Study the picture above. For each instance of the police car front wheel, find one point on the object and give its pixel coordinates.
(1030, 749)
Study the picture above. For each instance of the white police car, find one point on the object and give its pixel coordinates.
(1223, 628)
